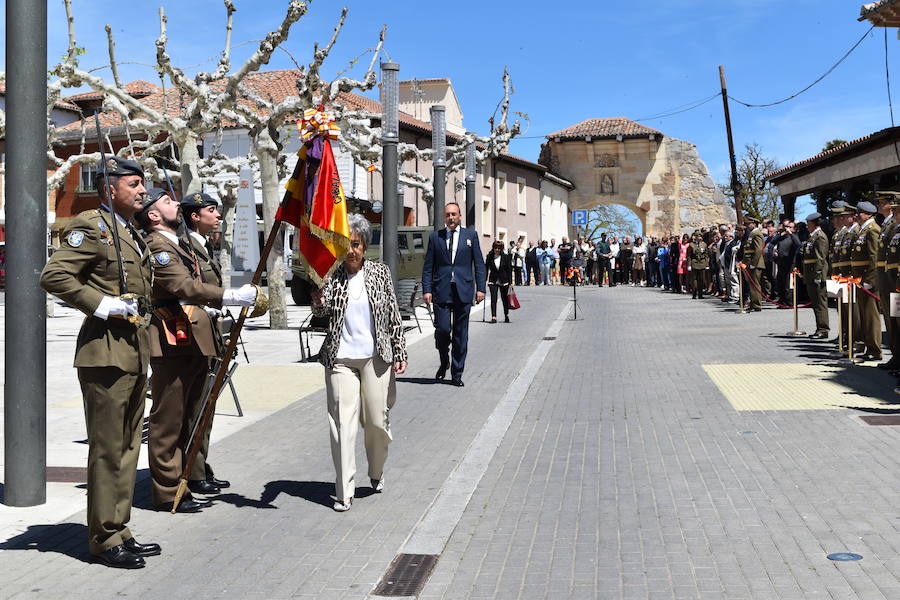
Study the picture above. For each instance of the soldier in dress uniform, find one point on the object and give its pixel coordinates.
(885, 279)
(201, 215)
(815, 269)
(892, 280)
(753, 259)
(111, 353)
(863, 260)
(850, 227)
(181, 344)
(698, 263)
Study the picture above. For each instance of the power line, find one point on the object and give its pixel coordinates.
(676, 111)
(807, 88)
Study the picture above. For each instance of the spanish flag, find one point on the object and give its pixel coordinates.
(316, 206)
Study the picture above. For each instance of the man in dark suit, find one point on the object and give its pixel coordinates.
(448, 280)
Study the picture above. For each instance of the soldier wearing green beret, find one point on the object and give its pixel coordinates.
(111, 354)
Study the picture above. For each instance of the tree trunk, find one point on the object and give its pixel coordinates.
(267, 153)
(189, 157)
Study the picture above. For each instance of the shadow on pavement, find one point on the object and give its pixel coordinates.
(69, 539)
(420, 380)
(317, 492)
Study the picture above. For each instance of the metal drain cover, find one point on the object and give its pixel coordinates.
(881, 419)
(844, 556)
(407, 575)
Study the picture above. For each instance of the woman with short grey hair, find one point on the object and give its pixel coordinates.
(363, 349)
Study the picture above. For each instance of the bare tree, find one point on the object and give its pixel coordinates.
(760, 198)
(607, 218)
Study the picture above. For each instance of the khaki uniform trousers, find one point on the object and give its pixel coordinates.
(870, 322)
(886, 285)
(113, 412)
(176, 389)
(360, 392)
(755, 276)
(699, 281)
(819, 299)
(845, 321)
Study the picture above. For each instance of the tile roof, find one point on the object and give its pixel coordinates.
(62, 104)
(884, 13)
(832, 151)
(605, 128)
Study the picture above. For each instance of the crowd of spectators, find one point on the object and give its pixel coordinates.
(662, 261)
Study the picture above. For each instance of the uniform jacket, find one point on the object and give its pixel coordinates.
(753, 249)
(83, 271)
(210, 269)
(888, 227)
(834, 255)
(436, 273)
(175, 284)
(390, 343)
(892, 256)
(698, 256)
(864, 253)
(815, 257)
(503, 275)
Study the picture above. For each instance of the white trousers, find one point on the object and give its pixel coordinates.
(360, 392)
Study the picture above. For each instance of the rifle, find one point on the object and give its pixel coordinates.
(114, 226)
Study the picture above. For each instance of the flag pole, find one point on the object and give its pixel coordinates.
(230, 352)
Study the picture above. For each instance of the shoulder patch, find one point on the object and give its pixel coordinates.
(163, 258)
(75, 238)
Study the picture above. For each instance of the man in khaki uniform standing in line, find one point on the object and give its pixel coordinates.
(201, 215)
(886, 282)
(111, 353)
(863, 259)
(892, 272)
(752, 253)
(181, 344)
(698, 263)
(815, 268)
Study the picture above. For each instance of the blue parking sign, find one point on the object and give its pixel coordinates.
(579, 217)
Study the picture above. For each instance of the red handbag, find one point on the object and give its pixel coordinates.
(513, 299)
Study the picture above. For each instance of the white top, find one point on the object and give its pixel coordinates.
(358, 333)
(497, 261)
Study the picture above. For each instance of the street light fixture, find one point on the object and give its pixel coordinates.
(390, 137)
(470, 181)
(439, 161)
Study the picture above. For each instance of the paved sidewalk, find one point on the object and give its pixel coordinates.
(626, 468)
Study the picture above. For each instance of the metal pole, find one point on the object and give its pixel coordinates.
(840, 337)
(390, 137)
(439, 146)
(735, 184)
(796, 332)
(851, 297)
(741, 308)
(470, 184)
(25, 380)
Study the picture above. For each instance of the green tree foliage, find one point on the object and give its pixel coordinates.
(826, 198)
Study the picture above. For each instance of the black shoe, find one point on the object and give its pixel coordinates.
(202, 486)
(441, 372)
(133, 546)
(693, 296)
(187, 505)
(118, 557)
(756, 309)
(506, 319)
(203, 502)
(819, 335)
(458, 383)
(221, 483)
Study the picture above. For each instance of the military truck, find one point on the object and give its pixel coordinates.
(411, 244)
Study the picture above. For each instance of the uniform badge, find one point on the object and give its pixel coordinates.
(112, 165)
(75, 238)
(198, 199)
(163, 258)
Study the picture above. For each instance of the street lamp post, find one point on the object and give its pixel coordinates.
(390, 137)
(439, 147)
(470, 183)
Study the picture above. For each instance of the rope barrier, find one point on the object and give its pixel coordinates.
(761, 293)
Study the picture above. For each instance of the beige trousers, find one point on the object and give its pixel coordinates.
(360, 392)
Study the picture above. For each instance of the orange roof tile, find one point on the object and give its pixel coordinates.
(605, 128)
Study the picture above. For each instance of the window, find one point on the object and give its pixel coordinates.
(418, 241)
(486, 174)
(86, 184)
(486, 227)
(520, 195)
(523, 237)
(501, 235)
(402, 242)
(501, 191)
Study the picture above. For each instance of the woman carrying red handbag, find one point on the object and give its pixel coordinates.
(499, 279)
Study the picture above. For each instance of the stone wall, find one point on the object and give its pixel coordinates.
(661, 179)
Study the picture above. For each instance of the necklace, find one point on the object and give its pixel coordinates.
(362, 288)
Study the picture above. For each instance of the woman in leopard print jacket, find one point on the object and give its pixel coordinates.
(363, 349)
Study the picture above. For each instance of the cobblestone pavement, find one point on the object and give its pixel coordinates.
(625, 472)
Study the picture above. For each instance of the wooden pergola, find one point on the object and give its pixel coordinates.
(884, 13)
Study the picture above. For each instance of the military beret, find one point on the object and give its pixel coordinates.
(866, 207)
(153, 194)
(892, 197)
(849, 209)
(118, 167)
(813, 217)
(198, 201)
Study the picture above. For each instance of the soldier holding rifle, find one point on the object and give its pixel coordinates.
(181, 345)
(103, 269)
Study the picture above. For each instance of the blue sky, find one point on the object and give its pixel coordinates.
(569, 60)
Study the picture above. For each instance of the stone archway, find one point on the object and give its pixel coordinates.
(619, 161)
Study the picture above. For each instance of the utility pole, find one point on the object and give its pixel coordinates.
(390, 137)
(735, 184)
(439, 147)
(25, 381)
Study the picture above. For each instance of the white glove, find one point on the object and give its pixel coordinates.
(214, 313)
(867, 286)
(110, 306)
(242, 296)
